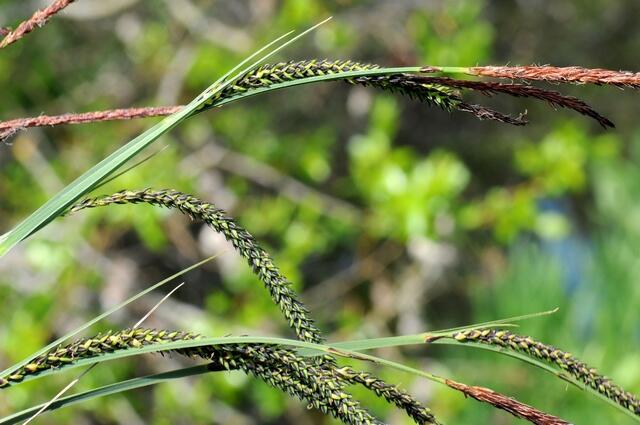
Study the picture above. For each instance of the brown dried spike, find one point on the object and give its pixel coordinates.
(520, 90)
(38, 19)
(507, 404)
(9, 128)
(569, 74)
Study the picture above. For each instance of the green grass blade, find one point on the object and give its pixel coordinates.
(106, 390)
(129, 168)
(93, 321)
(224, 81)
(85, 183)
(350, 349)
(494, 323)
(397, 341)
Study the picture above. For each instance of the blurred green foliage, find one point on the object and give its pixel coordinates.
(358, 195)
(406, 193)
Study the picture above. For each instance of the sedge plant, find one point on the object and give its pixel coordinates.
(307, 367)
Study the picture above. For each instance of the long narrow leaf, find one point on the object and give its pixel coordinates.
(396, 341)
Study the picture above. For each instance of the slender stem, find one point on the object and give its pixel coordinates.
(446, 69)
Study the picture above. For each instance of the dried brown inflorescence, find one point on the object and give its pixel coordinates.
(549, 354)
(569, 74)
(9, 128)
(507, 404)
(37, 20)
(554, 98)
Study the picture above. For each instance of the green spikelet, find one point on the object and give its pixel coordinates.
(278, 367)
(306, 381)
(419, 413)
(404, 84)
(260, 261)
(91, 347)
(561, 359)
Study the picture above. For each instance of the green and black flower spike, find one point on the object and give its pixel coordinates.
(260, 261)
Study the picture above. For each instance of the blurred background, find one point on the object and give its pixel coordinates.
(391, 217)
